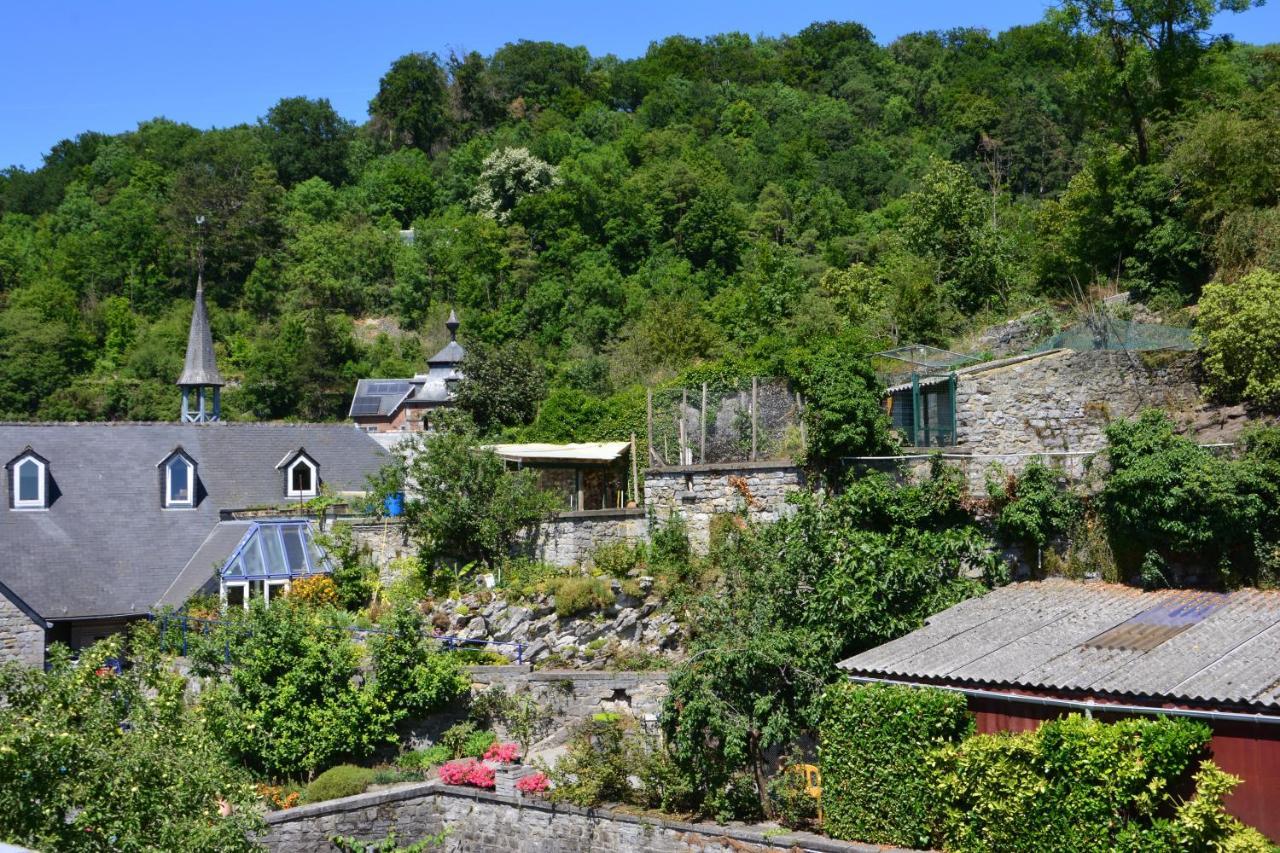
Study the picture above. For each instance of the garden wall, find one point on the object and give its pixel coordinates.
(699, 493)
(1063, 400)
(21, 639)
(570, 538)
(485, 822)
(571, 696)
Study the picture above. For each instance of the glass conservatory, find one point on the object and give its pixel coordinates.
(272, 554)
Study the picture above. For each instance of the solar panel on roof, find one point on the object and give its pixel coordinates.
(387, 387)
(366, 405)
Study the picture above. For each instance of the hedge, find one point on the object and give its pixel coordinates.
(874, 745)
(1074, 784)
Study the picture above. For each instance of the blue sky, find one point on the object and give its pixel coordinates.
(67, 67)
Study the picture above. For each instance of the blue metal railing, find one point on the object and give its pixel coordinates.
(187, 624)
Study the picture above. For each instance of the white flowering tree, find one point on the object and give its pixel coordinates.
(510, 174)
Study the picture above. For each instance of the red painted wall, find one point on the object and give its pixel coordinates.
(1248, 750)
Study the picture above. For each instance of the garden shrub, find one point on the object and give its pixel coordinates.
(576, 595)
(534, 783)
(464, 740)
(619, 559)
(290, 702)
(794, 807)
(596, 769)
(424, 759)
(874, 747)
(345, 780)
(1074, 784)
(316, 591)
(1168, 495)
(92, 759)
(1238, 330)
(1034, 507)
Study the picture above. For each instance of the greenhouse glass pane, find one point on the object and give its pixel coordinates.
(252, 554)
(293, 548)
(276, 565)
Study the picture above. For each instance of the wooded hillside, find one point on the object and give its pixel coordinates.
(726, 205)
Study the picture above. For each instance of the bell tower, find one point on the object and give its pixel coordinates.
(200, 371)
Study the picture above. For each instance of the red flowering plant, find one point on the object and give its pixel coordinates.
(534, 783)
(503, 753)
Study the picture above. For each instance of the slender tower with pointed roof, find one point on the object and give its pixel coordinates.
(200, 372)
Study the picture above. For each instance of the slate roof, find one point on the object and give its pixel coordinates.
(200, 367)
(1104, 640)
(384, 397)
(106, 547)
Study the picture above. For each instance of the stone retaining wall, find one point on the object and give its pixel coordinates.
(1063, 401)
(570, 696)
(21, 639)
(570, 538)
(699, 493)
(486, 822)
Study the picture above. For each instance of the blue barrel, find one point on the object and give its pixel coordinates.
(394, 504)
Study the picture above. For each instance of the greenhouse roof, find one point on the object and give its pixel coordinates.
(276, 548)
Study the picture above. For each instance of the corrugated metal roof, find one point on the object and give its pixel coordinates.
(1102, 639)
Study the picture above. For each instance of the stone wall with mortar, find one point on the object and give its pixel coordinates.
(1053, 408)
(21, 639)
(570, 538)
(571, 696)
(699, 493)
(487, 822)
(1063, 401)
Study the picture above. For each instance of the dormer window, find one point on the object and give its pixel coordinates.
(28, 481)
(301, 475)
(178, 480)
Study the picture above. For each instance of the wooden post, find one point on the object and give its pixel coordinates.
(702, 420)
(684, 425)
(649, 410)
(804, 436)
(635, 472)
(754, 398)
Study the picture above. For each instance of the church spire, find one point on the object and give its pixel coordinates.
(200, 371)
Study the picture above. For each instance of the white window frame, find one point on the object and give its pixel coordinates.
(244, 585)
(42, 476)
(169, 502)
(268, 585)
(289, 490)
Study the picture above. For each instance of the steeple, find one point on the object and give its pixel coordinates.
(200, 371)
(452, 352)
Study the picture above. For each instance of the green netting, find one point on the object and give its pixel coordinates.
(1119, 335)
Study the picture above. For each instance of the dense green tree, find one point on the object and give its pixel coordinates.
(501, 386)
(411, 106)
(307, 139)
(869, 564)
(471, 508)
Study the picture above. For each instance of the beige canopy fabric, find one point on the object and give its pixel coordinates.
(591, 451)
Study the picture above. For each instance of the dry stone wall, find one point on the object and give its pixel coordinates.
(21, 639)
(630, 624)
(486, 822)
(699, 493)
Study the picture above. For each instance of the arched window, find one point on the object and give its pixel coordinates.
(179, 482)
(28, 476)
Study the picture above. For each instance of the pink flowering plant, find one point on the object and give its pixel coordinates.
(534, 783)
(467, 771)
(503, 753)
